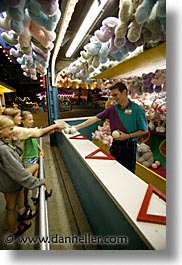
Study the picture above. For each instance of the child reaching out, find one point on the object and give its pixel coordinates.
(25, 133)
(31, 153)
(31, 145)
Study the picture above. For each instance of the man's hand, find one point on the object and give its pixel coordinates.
(121, 136)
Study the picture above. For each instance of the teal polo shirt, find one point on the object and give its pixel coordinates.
(133, 117)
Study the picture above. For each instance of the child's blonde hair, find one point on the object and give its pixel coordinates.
(12, 112)
(5, 121)
(24, 114)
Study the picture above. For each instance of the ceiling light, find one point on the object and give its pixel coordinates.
(93, 14)
(64, 25)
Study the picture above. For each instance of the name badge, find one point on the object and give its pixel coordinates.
(128, 111)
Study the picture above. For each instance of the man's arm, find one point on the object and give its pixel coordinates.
(88, 122)
(126, 136)
(138, 133)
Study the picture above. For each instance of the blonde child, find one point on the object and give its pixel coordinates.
(31, 152)
(25, 133)
(13, 178)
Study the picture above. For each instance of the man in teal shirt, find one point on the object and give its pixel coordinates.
(129, 119)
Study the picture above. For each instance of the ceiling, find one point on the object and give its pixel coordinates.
(12, 74)
(80, 11)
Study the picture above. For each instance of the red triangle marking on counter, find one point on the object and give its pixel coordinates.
(79, 137)
(106, 155)
(151, 218)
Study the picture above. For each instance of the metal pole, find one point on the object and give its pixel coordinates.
(43, 213)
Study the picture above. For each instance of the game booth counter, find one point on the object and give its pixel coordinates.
(116, 201)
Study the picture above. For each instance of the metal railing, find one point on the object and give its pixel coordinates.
(43, 212)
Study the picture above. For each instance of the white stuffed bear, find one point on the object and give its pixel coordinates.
(144, 155)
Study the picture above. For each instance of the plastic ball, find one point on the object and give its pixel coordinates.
(154, 166)
(157, 163)
(72, 130)
(66, 130)
(115, 134)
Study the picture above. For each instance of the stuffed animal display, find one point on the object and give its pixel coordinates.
(155, 109)
(29, 27)
(140, 23)
(144, 155)
(103, 134)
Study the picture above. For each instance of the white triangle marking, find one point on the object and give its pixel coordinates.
(100, 154)
(157, 206)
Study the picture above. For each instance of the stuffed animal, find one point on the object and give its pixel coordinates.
(128, 26)
(95, 53)
(10, 37)
(151, 115)
(30, 26)
(144, 10)
(4, 21)
(46, 50)
(147, 85)
(103, 53)
(93, 47)
(41, 34)
(161, 124)
(105, 33)
(25, 37)
(49, 7)
(16, 51)
(124, 19)
(15, 13)
(120, 55)
(38, 16)
(103, 134)
(32, 29)
(153, 25)
(135, 86)
(144, 155)
(161, 13)
(159, 79)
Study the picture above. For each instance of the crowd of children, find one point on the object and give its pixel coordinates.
(19, 154)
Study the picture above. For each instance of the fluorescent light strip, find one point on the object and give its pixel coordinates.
(64, 25)
(91, 16)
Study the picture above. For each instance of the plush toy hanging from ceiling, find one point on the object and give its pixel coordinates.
(29, 26)
(139, 23)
